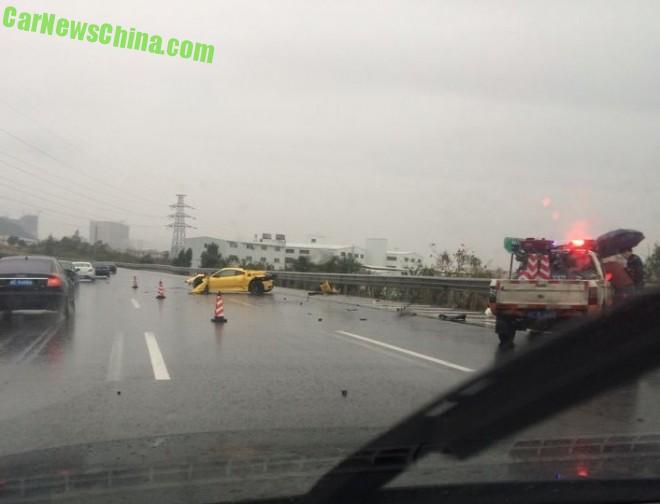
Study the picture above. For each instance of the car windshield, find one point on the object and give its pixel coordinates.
(21, 265)
(261, 233)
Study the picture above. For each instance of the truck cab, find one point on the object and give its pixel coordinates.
(551, 283)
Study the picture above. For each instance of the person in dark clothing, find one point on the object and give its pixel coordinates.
(634, 268)
(614, 267)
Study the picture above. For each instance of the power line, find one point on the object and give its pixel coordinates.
(68, 141)
(39, 123)
(57, 200)
(69, 189)
(75, 215)
(50, 156)
(77, 182)
(43, 208)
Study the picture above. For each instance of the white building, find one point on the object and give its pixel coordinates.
(403, 260)
(266, 251)
(115, 234)
(278, 253)
(318, 252)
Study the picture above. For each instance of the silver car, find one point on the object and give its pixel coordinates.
(85, 270)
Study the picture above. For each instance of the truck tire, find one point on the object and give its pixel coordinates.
(506, 338)
(256, 288)
(506, 331)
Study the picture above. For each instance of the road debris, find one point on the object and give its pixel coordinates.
(460, 317)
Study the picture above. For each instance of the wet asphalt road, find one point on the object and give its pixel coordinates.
(130, 366)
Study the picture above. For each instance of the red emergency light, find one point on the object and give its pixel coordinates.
(580, 243)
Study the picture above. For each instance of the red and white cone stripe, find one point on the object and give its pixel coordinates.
(161, 290)
(219, 307)
(219, 315)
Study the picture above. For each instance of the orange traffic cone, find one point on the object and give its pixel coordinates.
(161, 290)
(219, 315)
(135, 285)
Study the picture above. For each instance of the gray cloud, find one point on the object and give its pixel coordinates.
(422, 121)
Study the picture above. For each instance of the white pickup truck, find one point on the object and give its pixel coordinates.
(533, 297)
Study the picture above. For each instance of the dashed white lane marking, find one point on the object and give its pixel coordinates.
(136, 305)
(157, 361)
(407, 352)
(116, 357)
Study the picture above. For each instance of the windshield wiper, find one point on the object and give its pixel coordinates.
(585, 360)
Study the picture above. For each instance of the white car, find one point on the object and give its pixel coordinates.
(85, 270)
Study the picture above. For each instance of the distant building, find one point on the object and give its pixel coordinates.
(265, 250)
(115, 234)
(31, 224)
(277, 253)
(404, 260)
(376, 254)
(318, 253)
(379, 258)
(25, 228)
(154, 253)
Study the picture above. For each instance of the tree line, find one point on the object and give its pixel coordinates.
(75, 248)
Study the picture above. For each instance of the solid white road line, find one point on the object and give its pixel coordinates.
(116, 357)
(157, 361)
(407, 352)
(135, 303)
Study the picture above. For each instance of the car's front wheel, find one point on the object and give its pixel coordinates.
(256, 288)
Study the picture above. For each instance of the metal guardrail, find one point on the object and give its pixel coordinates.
(353, 279)
(402, 282)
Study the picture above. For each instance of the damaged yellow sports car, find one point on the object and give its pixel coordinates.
(232, 280)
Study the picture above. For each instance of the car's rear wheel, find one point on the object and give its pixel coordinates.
(256, 288)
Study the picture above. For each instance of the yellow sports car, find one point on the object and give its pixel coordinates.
(232, 280)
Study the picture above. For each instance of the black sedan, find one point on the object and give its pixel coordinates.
(102, 270)
(35, 283)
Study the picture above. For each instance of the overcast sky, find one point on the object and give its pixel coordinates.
(418, 121)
